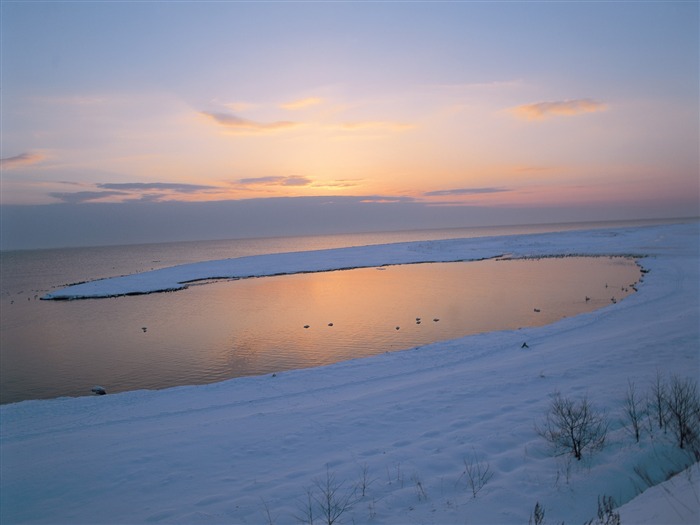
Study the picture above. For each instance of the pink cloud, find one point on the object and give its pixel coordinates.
(239, 124)
(541, 110)
(302, 103)
(23, 159)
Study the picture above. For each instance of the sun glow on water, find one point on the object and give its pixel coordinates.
(221, 330)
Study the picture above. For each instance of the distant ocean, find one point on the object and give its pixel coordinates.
(36, 336)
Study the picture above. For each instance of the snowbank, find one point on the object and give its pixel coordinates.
(400, 428)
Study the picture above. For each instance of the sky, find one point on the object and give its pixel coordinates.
(144, 121)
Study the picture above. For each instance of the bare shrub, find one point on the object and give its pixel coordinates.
(606, 513)
(478, 473)
(572, 427)
(420, 489)
(372, 509)
(645, 477)
(537, 516)
(331, 498)
(633, 411)
(664, 464)
(365, 481)
(399, 475)
(563, 469)
(683, 406)
(270, 520)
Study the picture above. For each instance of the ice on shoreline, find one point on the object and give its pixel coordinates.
(405, 422)
(590, 242)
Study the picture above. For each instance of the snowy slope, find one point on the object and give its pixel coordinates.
(399, 428)
(674, 501)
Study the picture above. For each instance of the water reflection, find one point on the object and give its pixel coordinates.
(366, 306)
(255, 326)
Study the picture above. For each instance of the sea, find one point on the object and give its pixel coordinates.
(231, 329)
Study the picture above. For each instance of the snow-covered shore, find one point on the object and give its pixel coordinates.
(590, 242)
(401, 426)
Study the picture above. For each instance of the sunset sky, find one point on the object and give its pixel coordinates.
(397, 113)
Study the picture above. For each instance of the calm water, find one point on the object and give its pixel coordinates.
(230, 329)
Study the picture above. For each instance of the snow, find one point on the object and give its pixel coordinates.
(403, 426)
(671, 502)
(176, 277)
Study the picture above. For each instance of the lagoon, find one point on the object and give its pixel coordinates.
(213, 331)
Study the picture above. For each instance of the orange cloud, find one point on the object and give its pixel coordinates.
(342, 183)
(23, 159)
(374, 124)
(302, 103)
(238, 124)
(541, 110)
(239, 106)
(298, 181)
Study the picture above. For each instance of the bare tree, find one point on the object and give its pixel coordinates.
(572, 427)
(657, 401)
(683, 406)
(306, 515)
(365, 480)
(632, 411)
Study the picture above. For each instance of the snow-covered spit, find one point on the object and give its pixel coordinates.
(590, 242)
(394, 433)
